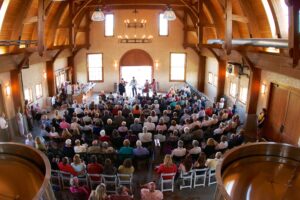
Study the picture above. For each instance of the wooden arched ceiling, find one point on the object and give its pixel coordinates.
(20, 19)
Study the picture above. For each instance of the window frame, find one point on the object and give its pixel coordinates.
(246, 97)
(36, 94)
(87, 68)
(168, 29)
(113, 34)
(30, 94)
(170, 67)
(235, 95)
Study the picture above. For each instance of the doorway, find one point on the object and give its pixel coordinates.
(283, 124)
(141, 74)
(137, 63)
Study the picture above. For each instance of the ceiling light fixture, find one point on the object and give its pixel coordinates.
(169, 14)
(98, 15)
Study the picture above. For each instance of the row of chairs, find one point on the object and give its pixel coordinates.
(61, 180)
(191, 179)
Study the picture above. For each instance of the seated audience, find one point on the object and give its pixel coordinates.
(66, 167)
(79, 191)
(140, 150)
(145, 136)
(196, 149)
(78, 166)
(68, 150)
(99, 193)
(95, 148)
(94, 167)
(200, 162)
(179, 151)
(29, 140)
(167, 166)
(212, 163)
(122, 194)
(149, 192)
(78, 148)
(109, 168)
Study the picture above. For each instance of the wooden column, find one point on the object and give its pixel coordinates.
(72, 69)
(201, 73)
(254, 89)
(50, 78)
(221, 79)
(16, 88)
(294, 6)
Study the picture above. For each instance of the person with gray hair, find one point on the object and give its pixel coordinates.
(136, 127)
(145, 136)
(149, 124)
(140, 150)
(180, 151)
(196, 149)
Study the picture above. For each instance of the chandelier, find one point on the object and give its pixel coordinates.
(135, 31)
(98, 15)
(169, 14)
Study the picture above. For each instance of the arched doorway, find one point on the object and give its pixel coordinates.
(137, 63)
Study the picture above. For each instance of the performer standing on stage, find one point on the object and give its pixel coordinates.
(133, 84)
(122, 89)
(146, 88)
(154, 86)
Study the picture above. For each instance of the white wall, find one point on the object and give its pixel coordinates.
(8, 101)
(159, 50)
(211, 66)
(33, 76)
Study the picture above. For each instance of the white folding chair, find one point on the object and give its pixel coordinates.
(211, 177)
(94, 180)
(187, 179)
(200, 177)
(65, 179)
(111, 183)
(167, 179)
(125, 180)
(55, 179)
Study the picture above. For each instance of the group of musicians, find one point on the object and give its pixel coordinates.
(133, 83)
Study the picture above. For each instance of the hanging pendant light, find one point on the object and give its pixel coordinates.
(169, 14)
(98, 15)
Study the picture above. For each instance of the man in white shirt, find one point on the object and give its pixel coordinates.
(149, 124)
(145, 136)
(196, 149)
(133, 84)
(179, 151)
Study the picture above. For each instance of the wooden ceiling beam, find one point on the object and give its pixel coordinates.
(18, 24)
(278, 33)
(30, 20)
(41, 27)
(53, 27)
(240, 18)
(228, 27)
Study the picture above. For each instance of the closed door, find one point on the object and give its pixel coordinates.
(283, 122)
(291, 130)
(276, 113)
